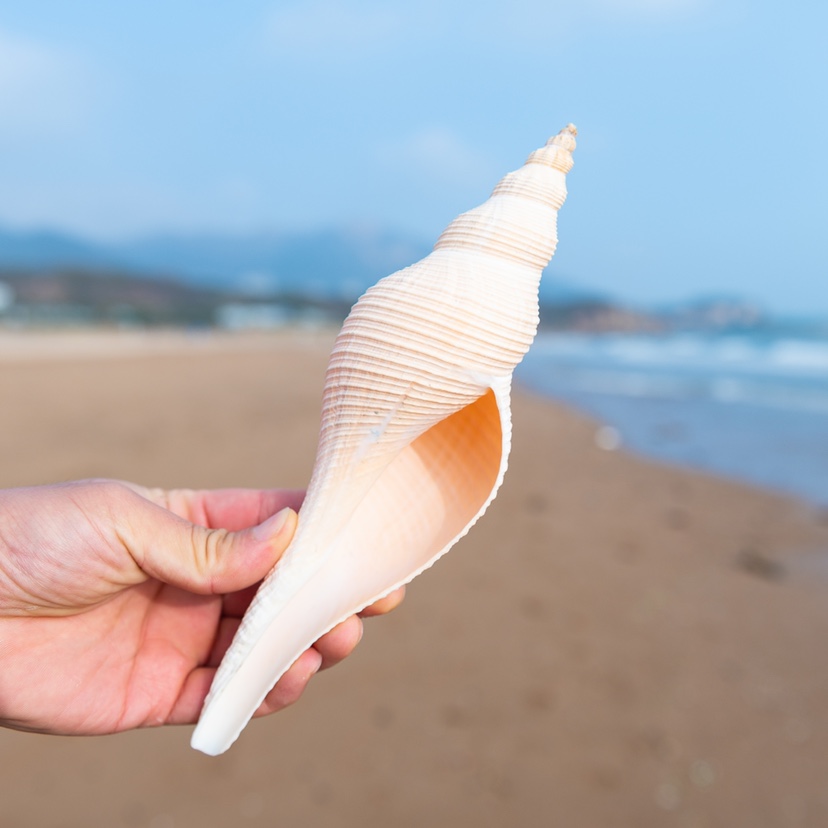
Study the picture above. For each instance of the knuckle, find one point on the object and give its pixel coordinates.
(207, 549)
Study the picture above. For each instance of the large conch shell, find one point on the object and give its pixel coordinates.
(415, 434)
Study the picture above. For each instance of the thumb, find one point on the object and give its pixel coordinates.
(211, 561)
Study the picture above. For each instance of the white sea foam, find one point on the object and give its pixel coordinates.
(749, 407)
(783, 373)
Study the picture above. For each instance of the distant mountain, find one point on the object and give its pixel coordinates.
(339, 263)
(332, 264)
(49, 248)
(59, 296)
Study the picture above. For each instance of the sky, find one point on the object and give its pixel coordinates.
(702, 160)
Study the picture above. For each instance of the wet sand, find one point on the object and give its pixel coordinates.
(617, 643)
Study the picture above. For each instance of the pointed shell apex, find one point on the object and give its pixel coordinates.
(565, 138)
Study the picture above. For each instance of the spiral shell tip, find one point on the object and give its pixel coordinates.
(565, 138)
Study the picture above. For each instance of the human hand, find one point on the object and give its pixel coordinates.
(117, 602)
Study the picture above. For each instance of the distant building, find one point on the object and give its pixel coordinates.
(238, 317)
(719, 314)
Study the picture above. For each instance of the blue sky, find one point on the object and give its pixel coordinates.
(702, 163)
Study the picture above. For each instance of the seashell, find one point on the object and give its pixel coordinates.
(415, 433)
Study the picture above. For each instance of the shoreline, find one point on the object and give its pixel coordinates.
(617, 642)
(742, 407)
(109, 343)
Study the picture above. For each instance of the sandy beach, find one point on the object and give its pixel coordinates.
(617, 643)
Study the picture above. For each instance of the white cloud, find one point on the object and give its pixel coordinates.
(321, 30)
(320, 27)
(651, 8)
(41, 88)
(438, 154)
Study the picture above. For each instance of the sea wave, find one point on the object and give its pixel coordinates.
(779, 373)
(752, 408)
(753, 354)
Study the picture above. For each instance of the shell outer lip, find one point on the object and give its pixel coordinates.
(203, 739)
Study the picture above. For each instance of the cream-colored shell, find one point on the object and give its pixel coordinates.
(415, 432)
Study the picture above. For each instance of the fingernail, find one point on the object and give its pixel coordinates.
(272, 526)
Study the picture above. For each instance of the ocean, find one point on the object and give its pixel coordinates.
(749, 407)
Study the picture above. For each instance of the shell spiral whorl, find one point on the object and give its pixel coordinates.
(514, 223)
(473, 299)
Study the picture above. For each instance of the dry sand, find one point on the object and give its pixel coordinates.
(617, 643)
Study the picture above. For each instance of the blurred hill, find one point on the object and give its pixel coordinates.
(77, 296)
(266, 279)
(332, 264)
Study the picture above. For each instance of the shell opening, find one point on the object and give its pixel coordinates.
(426, 499)
(455, 465)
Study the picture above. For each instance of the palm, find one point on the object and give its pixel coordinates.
(132, 661)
